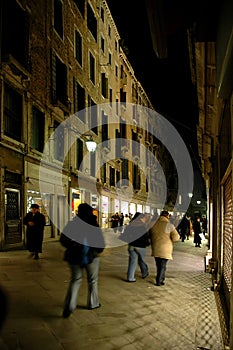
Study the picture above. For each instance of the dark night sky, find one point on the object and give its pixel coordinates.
(167, 82)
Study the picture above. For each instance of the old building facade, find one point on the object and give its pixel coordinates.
(61, 59)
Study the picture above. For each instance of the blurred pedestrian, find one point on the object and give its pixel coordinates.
(84, 241)
(163, 234)
(197, 231)
(115, 219)
(35, 222)
(136, 234)
(184, 228)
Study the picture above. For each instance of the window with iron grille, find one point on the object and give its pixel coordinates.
(91, 22)
(78, 48)
(92, 68)
(38, 126)
(59, 135)
(59, 81)
(15, 32)
(79, 153)
(13, 113)
(79, 100)
(58, 17)
(81, 6)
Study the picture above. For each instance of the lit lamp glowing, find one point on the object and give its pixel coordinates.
(198, 202)
(190, 195)
(91, 145)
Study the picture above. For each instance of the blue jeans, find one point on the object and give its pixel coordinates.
(75, 283)
(161, 269)
(136, 255)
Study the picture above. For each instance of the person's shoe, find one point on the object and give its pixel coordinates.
(131, 280)
(66, 313)
(158, 284)
(145, 275)
(36, 257)
(96, 307)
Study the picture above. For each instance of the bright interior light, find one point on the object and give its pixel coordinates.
(91, 145)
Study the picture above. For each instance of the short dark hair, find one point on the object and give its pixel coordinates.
(36, 206)
(164, 213)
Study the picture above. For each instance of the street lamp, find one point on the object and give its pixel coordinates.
(91, 145)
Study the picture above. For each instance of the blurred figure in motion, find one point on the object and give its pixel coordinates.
(83, 241)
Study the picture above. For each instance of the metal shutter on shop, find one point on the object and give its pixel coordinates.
(227, 239)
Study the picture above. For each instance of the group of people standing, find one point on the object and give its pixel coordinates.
(118, 222)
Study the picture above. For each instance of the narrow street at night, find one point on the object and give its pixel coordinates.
(181, 315)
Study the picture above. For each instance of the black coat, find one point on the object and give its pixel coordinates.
(77, 235)
(34, 234)
(136, 234)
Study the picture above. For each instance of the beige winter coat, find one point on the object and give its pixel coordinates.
(163, 234)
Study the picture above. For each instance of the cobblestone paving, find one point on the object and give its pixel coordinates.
(181, 315)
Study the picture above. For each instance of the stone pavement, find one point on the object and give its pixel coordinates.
(180, 315)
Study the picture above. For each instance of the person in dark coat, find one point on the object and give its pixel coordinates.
(35, 222)
(197, 231)
(137, 237)
(184, 228)
(83, 241)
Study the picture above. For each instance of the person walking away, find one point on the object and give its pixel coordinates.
(126, 220)
(35, 222)
(162, 234)
(136, 234)
(115, 222)
(183, 228)
(197, 231)
(83, 240)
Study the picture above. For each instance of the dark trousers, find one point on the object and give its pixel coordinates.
(161, 268)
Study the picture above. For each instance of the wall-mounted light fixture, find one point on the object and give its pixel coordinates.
(90, 143)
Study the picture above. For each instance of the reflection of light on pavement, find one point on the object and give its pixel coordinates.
(111, 238)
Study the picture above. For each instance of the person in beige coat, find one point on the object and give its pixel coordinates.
(162, 234)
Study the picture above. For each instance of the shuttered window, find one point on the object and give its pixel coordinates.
(13, 113)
